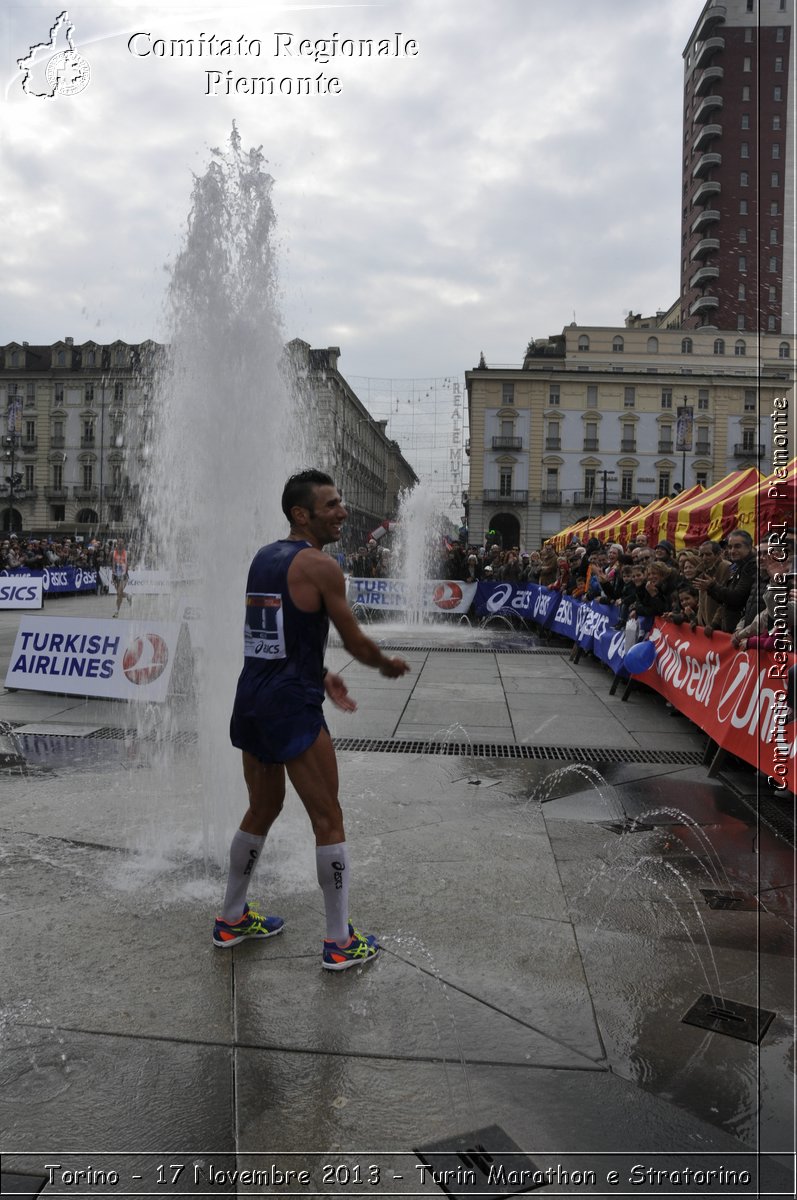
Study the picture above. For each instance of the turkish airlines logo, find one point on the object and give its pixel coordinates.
(447, 595)
(145, 659)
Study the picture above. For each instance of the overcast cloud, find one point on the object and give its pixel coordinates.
(523, 167)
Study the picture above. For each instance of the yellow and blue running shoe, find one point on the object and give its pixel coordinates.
(251, 925)
(362, 948)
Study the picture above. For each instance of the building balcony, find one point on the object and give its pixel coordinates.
(57, 443)
(589, 497)
(553, 443)
(507, 443)
(551, 497)
(706, 163)
(54, 493)
(714, 15)
(705, 247)
(591, 444)
(702, 447)
(701, 277)
(85, 493)
(28, 445)
(743, 450)
(711, 187)
(710, 76)
(704, 52)
(666, 447)
(705, 136)
(709, 216)
(627, 445)
(703, 304)
(710, 104)
(87, 443)
(499, 497)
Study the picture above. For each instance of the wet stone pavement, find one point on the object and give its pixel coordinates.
(546, 926)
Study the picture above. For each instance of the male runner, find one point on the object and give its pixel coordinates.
(292, 592)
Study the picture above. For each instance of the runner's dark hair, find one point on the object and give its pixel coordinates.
(298, 491)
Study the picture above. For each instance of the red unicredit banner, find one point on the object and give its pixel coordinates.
(737, 696)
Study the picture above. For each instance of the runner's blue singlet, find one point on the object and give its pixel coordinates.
(277, 711)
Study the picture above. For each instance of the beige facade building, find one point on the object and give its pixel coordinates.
(590, 421)
(367, 466)
(77, 420)
(75, 426)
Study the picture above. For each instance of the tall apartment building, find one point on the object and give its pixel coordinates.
(737, 243)
(588, 423)
(74, 427)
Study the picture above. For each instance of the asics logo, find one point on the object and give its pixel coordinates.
(337, 874)
(252, 860)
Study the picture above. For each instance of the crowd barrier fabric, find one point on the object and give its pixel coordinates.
(122, 660)
(393, 595)
(59, 580)
(20, 592)
(738, 697)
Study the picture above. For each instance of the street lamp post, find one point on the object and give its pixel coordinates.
(13, 480)
(683, 434)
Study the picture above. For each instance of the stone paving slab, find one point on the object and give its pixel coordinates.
(533, 974)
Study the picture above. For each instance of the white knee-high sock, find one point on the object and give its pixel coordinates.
(244, 853)
(332, 867)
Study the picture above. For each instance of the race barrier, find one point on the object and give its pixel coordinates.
(120, 660)
(394, 595)
(59, 580)
(24, 592)
(738, 697)
(140, 582)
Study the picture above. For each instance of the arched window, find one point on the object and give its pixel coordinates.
(686, 346)
(60, 358)
(618, 345)
(583, 342)
(740, 348)
(653, 345)
(14, 358)
(784, 350)
(719, 346)
(91, 358)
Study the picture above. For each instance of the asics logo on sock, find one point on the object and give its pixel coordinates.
(337, 874)
(251, 863)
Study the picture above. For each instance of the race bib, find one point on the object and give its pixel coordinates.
(264, 636)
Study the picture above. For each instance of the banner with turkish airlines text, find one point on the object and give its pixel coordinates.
(396, 595)
(113, 659)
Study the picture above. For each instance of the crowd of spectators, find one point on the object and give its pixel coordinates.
(730, 585)
(37, 554)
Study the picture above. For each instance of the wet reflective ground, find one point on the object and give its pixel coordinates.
(545, 929)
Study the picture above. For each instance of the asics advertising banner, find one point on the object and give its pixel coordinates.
(114, 659)
(20, 591)
(59, 580)
(395, 595)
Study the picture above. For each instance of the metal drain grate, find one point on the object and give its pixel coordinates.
(483, 1163)
(729, 1017)
(512, 750)
(494, 649)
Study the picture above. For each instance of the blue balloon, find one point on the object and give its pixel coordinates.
(640, 658)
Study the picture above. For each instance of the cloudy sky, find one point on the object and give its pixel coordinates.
(522, 167)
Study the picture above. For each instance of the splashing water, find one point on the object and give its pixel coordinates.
(415, 558)
(228, 437)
